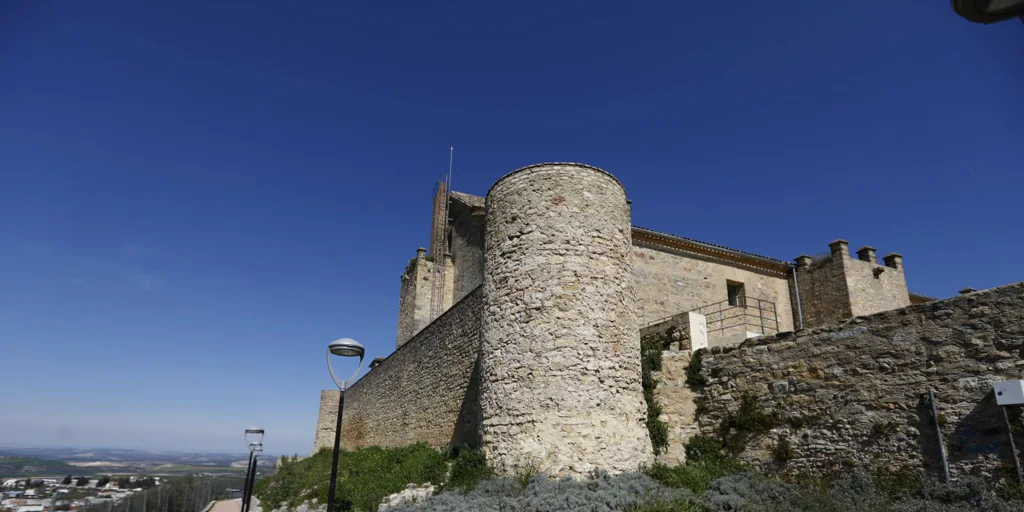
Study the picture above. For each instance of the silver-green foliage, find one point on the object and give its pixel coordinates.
(602, 493)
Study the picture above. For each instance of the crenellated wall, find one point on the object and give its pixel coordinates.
(836, 287)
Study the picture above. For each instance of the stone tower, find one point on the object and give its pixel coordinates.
(560, 350)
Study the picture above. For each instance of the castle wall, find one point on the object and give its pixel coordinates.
(425, 391)
(678, 405)
(857, 392)
(824, 297)
(416, 294)
(875, 288)
(668, 283)
(560, 354)
(838, 287)
(326, 420)
(467, 248)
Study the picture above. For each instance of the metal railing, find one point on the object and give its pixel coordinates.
(750, 313)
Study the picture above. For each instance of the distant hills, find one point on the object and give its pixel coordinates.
(22, 461)
(13, 466)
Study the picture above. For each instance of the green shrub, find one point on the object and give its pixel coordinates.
(651, 347)
(896, 483)
(696, 477)
(693, 370)
(749, 419)
(703, 447)
(469, 467)
(365, 477)
(783, 451)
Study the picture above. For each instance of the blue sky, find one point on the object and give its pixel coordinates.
(197, 198)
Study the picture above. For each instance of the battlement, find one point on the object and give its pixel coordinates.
(836, 287)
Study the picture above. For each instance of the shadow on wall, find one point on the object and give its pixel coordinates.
(983, 433)
(980, 436)
(467, 427)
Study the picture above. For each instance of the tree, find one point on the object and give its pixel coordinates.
(103, 481)
(66, 481)
(28, 483)
(80, 481)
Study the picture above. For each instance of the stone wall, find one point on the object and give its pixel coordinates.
(857, 392)
(426, 391)
(678, 405)
(414, 297)
(837, 287)
(560, 354)
(824, 298)
(874, 287)
(668, 283)
(467, 244)
(327, 419)
(416, 294)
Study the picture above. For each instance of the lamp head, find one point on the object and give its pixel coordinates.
(346, 347)
(253, 435)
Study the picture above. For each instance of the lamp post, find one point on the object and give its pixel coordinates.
(344, 347)
(254, 440)
(252, 476)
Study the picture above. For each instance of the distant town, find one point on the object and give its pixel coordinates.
(109, 480)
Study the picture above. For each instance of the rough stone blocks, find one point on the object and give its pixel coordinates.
(560, 351)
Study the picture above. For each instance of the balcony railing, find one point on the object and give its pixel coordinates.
(741, 315)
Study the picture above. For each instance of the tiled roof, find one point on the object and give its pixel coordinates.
(468, 199)
(472, 200)
(710, 245)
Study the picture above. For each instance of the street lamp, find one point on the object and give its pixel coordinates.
(344, 347)
(254, 440)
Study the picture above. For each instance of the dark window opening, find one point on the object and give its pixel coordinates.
(736, 294)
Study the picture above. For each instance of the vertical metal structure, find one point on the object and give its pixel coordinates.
(938, 433)
(1013, 447)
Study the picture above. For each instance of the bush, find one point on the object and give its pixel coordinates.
(469, 467)
(693, 370)
(696, 476)
(748, 420)
(651, 347)
(897, 483)
(365, 477)
(783, 451)
(624, 492)
(703, 447)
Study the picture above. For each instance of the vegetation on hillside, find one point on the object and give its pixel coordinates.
(710, 481)
(19, 466)
(651, 347)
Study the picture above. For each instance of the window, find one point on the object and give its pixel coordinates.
(736, 295)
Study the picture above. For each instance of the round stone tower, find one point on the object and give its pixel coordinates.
(560, 352)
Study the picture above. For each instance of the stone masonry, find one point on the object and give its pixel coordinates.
(856, 393)
(560, 355)
(424, 392)
(326, 420)
(836, 288)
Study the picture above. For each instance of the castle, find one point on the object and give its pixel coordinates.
(519, 330)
